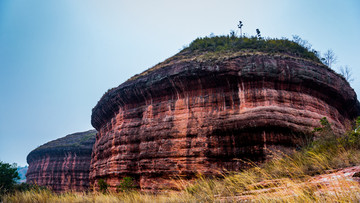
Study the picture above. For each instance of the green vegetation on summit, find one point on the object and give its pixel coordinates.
(238, 44)
(218, 48)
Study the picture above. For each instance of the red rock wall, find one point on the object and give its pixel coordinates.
(63, 164)
(193, 117)
(63, 172)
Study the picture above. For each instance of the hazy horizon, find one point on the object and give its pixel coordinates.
(57, 58)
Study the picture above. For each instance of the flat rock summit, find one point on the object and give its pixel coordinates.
(205, 112)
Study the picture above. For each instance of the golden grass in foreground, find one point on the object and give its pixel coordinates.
(48, 196)
(286, 190)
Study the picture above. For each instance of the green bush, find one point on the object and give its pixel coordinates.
(103, 186)
(126, 184)
(325, 137)
(352, 140)
(8, 177)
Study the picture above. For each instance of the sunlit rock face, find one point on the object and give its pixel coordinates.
(62, 164)
(199, 114)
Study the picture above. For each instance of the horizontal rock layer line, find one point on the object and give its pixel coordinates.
(206, 117)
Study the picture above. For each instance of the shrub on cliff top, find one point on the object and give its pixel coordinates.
(233, 43)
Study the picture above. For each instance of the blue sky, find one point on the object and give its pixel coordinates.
(57, 58)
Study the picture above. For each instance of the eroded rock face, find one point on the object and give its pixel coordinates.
(62, 164)
(198, 114)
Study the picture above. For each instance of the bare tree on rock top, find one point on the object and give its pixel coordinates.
(346, 72)
(240, 26)
(329, 58)
(304, 43)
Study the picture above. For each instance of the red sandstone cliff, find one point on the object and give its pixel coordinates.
(202, 114)
(62, 164)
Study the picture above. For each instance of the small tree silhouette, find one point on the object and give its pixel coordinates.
(240, 26)
(232, 33)
(258, 33)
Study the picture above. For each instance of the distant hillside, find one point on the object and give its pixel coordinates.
(22, 171)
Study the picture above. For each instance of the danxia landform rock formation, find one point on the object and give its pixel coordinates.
(62, 164)
(206, 111)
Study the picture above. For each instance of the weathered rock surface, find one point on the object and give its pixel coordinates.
(203, 114)
(62, 164)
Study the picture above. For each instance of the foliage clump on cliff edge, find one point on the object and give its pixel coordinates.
(235, 44)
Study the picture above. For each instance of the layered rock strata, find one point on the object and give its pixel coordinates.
(207, 113)
(62, 164)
